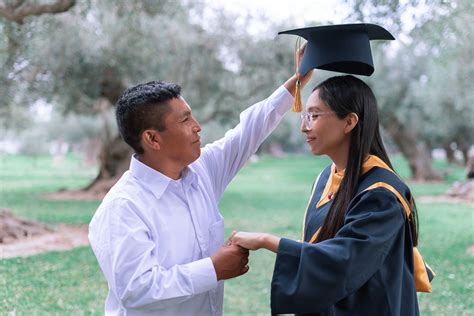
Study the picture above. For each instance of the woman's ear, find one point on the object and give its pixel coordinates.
(151, 139)
(351, 121)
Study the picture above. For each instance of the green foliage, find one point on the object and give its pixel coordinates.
(424, 78)
(269, 195)
(95, 50)
(448, 88)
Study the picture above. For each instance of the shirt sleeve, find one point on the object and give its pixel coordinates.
(223, 158)
(308, 278)
(131, 267)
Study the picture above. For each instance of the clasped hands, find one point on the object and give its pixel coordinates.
(231, 259)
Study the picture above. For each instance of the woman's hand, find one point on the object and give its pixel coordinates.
(255, 241)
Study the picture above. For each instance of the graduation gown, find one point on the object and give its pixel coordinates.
(366, 269)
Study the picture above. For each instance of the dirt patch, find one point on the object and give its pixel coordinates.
(459, 192)
(64, 237)
(20, 237)
(96, 191)
(444, 199)
(13, 229)
(470, 250)
(76, 195)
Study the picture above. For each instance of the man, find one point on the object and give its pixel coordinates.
(158, 234)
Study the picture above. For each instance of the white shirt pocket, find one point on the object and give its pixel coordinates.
(216, 235)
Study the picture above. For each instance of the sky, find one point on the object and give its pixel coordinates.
(304, 13)
(299, 13)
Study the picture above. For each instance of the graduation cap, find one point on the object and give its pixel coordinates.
(341, 48)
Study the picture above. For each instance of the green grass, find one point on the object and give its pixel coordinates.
(269, 195)
(446, 233)
(23, 179)
(64, 283)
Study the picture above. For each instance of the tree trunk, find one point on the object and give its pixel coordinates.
(464, 150)
(449, 153)
(114, 156)
(417, 154)
(17, 11)
(114, 159)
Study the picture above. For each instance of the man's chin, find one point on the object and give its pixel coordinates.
(197, 155)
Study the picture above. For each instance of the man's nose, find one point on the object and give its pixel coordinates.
(197, 127)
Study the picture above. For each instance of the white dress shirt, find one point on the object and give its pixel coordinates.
(153, 236)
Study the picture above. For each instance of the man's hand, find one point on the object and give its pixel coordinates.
(230, 261)
(298, 58)
(290, 84)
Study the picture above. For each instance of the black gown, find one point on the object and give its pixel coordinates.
(366, 269)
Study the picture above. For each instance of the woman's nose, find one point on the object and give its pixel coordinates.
(304, 126)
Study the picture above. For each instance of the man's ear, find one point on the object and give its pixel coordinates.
(351, 121)
(151, 139)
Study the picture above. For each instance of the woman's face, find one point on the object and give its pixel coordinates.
(326, 133)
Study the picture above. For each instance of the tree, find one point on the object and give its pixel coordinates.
(401, 116)
(451, 70)
(14, 14)
(407, 73)
(18, 10)
(81, 62)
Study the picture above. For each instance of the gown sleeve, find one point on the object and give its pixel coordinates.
(308, 278)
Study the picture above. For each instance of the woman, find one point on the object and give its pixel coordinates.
(357, 254)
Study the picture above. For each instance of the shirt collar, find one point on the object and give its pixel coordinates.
(157, 182)
(189, 178)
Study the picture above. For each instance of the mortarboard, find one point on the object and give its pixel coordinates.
(341, 48)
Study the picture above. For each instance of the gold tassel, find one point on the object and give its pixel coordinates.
(297, 106)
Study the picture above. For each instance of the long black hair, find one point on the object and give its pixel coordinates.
(345, 95)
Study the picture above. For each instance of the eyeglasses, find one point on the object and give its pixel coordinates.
(308, 118)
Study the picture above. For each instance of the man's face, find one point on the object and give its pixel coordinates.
(180, 139)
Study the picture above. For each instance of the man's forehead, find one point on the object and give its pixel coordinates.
(179, 104)
(185, 103)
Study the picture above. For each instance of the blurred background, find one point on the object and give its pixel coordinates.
(64, 63)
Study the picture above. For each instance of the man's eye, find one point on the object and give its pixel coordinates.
(314, 116)
(185, 119)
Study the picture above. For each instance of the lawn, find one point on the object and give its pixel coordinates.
(268, 195)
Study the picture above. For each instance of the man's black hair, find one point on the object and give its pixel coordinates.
(144, 107)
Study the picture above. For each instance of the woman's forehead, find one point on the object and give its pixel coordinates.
(314, 103)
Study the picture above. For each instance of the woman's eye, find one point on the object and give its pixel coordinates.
(314, 116)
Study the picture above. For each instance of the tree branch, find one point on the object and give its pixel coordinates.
(17, 11)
